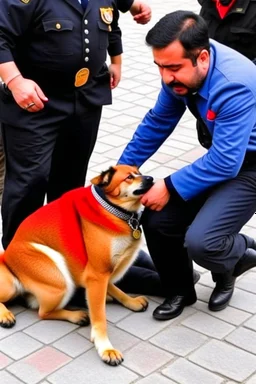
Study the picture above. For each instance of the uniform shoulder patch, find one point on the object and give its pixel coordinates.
(25, 1)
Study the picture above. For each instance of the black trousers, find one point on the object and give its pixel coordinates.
(47, 153)
(204, 229)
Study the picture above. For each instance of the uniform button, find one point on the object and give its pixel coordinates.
(58, 26)
(86, 31)
(86, 41)
(86, 59)
(87, 50)
(86, 22)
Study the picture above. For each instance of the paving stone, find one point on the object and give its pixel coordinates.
(252, 380)
(7, 378)
(186, 372)
(251, 323)
(243, 300)
(73, 344)
(226, 360)
(116, 312)
(230, 315)
(178, 340)
(89, 369)
(19, 345)
(143, 325)
(38, 365)
(203, 293)
(208, 325)
(243, 338)
(155, 378)
(145, 358)
(4, 361)
(247, 282)
(48, 331)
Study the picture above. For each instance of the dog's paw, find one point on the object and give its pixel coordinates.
(137, 304)
(7, 320)
(112, 357)
(79, 317)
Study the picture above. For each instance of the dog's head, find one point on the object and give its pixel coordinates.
(123, 185)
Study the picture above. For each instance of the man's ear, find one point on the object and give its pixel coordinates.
(204, 57)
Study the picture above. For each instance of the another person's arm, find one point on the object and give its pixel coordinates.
(141, 12)
(24, 91)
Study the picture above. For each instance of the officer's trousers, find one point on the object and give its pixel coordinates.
(205, 229)
(47, 154)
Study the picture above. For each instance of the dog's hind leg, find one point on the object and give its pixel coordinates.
(96, 291)
(8, 291)
(137, 304)
(50, 298)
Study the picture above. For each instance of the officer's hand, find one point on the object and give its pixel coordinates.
(27, 94)
(115, 75)
(157, 197)
(143, 13)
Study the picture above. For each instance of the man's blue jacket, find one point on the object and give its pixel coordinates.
(226, 103)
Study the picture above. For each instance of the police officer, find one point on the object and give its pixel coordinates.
(233, 23)
(52, 63)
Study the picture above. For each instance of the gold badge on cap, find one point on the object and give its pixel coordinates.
(25, 1)
(81, 77)
(106, 15)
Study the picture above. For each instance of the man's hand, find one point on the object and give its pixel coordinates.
(141, 12)
(157, 197)
(27, 94)
(115, 75)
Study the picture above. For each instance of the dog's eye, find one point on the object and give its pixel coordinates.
(130, 177)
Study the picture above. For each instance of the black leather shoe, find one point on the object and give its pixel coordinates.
(223, 291)
(172, 307)
(247, 261)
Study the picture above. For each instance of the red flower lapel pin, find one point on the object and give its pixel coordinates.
(211, 115)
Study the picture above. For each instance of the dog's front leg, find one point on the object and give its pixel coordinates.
(137, 304)
(96, 292)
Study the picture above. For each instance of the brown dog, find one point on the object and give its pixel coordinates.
(87, 238)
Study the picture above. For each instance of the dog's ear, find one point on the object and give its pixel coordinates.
(104, 178)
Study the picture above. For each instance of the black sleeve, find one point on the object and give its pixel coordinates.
(124, 5)
(15, 19)
(115, 47)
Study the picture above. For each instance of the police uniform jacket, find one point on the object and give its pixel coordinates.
(237, 29)
(50, 41)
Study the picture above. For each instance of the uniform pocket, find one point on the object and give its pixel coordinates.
(58, 36)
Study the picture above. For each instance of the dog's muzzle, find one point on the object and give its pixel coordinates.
(146, 184)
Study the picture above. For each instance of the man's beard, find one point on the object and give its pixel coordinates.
(191, 90)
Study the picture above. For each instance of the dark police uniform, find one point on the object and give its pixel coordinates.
(237, 29)
(63, 49)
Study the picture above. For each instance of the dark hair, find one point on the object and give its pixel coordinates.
(186, 27)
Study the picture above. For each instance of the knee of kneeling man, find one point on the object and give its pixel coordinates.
(195, 248)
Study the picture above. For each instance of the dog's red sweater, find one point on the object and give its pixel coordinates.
(58, 224)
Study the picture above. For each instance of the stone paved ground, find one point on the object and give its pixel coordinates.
(199, 347)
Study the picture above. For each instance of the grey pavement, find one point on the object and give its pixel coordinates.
(199, 347)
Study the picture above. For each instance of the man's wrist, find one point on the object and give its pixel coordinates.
(169, 185)
(11, 78)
